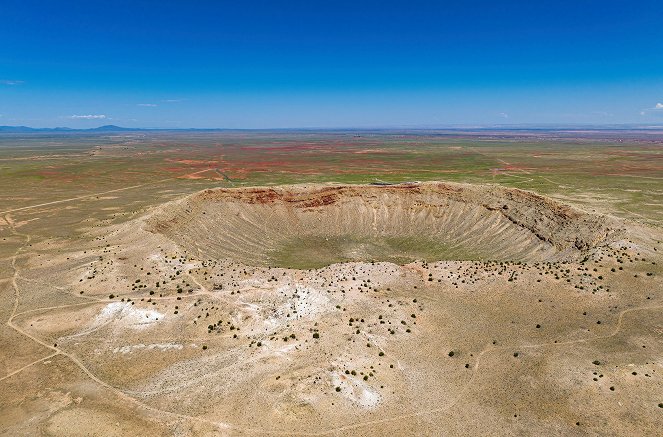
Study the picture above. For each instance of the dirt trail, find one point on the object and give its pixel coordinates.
(248, 220)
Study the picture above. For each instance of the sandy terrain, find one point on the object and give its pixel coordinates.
(411, 309)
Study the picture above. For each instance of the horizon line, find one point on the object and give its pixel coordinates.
(521, 126)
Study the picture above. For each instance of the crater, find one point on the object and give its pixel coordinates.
(311, 226)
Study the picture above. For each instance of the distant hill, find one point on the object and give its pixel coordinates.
(26, 129)
(112, 128)
(486, 129)
(18, 129)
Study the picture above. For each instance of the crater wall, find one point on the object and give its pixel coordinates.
(312, 226)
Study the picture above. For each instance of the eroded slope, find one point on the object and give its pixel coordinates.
(313, 226)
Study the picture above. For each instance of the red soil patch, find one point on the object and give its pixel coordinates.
(193, 162)
(309, 199)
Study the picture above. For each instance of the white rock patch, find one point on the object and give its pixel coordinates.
(127, 315)
(356, 390)
(161, 346)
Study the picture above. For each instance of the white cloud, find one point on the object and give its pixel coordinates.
(151, 105)
(173, 100)
(11, 82)
(657, 107)
(504, 115)
(89, 117)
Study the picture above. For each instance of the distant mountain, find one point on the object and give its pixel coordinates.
(18, 129)
(26, 129)
(456, 128)
(111, 128)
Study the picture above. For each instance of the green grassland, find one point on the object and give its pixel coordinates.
(313, 252)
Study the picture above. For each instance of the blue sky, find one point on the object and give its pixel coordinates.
(263, 64)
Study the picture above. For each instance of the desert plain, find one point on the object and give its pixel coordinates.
(331, 283)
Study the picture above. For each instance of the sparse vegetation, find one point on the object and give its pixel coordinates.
(175, 288)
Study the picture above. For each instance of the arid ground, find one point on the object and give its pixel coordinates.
(331, 283)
